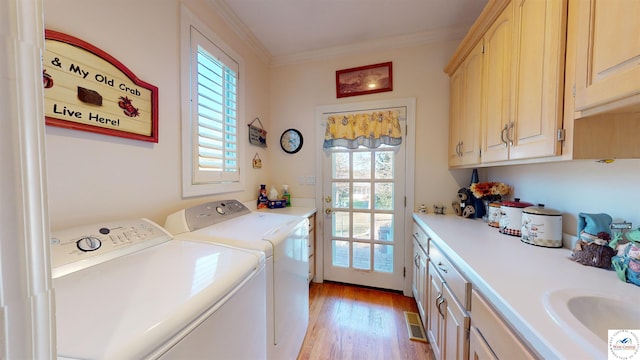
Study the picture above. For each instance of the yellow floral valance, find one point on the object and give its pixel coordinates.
(364, 129)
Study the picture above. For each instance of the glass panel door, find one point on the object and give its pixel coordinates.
(363, 225)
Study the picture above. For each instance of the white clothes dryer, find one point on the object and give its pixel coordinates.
(126, 290)
(283, 239)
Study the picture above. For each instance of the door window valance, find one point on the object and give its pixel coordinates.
(371, 130)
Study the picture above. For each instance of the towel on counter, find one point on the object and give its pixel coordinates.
(591, 226)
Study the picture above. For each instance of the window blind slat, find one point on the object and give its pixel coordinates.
(216, 95)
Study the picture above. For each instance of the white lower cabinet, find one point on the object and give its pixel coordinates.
(478, 347)
(456, 327)
(490, 337)
(435, 316)
(420, 279)
(448, 319)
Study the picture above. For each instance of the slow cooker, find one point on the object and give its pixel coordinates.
(541, 226)
(511, 220)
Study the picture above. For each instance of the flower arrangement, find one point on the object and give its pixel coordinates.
(491, 191)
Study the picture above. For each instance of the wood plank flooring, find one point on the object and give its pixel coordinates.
(351, 322)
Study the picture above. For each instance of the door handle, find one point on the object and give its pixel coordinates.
(328, 211)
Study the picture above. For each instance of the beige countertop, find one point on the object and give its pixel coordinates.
(517, 278)
(293, 210)
(300, 207)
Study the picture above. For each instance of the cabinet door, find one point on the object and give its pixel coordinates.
(435, 316)
(312, 247)
(496, 87)
(478, 347)
(472, 94)
(464, 112)
(414, 282)
(420, 280)
(422, 287)
(455, 116)
(608, 49)
(537, 78)
(456, 326)
(494, 331)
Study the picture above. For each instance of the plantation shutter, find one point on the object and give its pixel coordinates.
(214, 104)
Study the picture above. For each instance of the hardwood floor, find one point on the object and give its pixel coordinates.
(352, 322)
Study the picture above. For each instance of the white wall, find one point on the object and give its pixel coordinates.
(95, 177)
(296, 90)
(577, 186)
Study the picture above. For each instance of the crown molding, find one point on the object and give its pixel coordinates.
(394, 42)
(229, 16)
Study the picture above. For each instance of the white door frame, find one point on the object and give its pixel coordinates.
(27, 328)
(410, 104)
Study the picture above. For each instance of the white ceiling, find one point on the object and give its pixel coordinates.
(287, 27)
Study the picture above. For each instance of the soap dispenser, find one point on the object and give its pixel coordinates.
(263, 200)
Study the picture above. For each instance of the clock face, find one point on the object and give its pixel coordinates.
(291, 141)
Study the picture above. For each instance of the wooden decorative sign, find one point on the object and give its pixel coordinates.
(87, 89)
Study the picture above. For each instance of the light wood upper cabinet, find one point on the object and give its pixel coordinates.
(537, 81)
(496, 120)
(608, 56)
(524, 52)
(465, 105)
(522, 45)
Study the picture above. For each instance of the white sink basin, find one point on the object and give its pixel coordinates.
(588, 315)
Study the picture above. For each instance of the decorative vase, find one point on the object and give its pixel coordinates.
(485, 217)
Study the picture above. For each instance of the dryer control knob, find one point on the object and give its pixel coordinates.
(89, 243)
(220, 210)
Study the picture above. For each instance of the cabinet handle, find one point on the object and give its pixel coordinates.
(439, 303)
(510, 131)
(504, 129)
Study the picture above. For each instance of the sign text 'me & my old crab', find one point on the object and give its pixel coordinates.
(87, 89)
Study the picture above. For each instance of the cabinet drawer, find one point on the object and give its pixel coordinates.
(421, 236)
(460, 286)
(502, 341)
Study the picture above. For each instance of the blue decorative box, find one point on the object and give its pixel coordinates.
(276, 204)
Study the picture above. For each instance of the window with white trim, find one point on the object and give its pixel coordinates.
(210, 116)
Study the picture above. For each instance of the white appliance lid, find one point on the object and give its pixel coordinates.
(127, 307)
(256, 231)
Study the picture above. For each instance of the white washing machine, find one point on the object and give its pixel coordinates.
(283, 239)
(126, 290)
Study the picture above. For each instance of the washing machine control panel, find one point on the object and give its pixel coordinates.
(80, 247)
(211, 213)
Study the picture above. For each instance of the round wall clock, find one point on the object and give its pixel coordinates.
(291, 141)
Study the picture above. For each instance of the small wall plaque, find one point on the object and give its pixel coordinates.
(257, 135)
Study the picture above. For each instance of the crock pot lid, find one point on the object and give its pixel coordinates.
(541, 210)
(516, 203)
